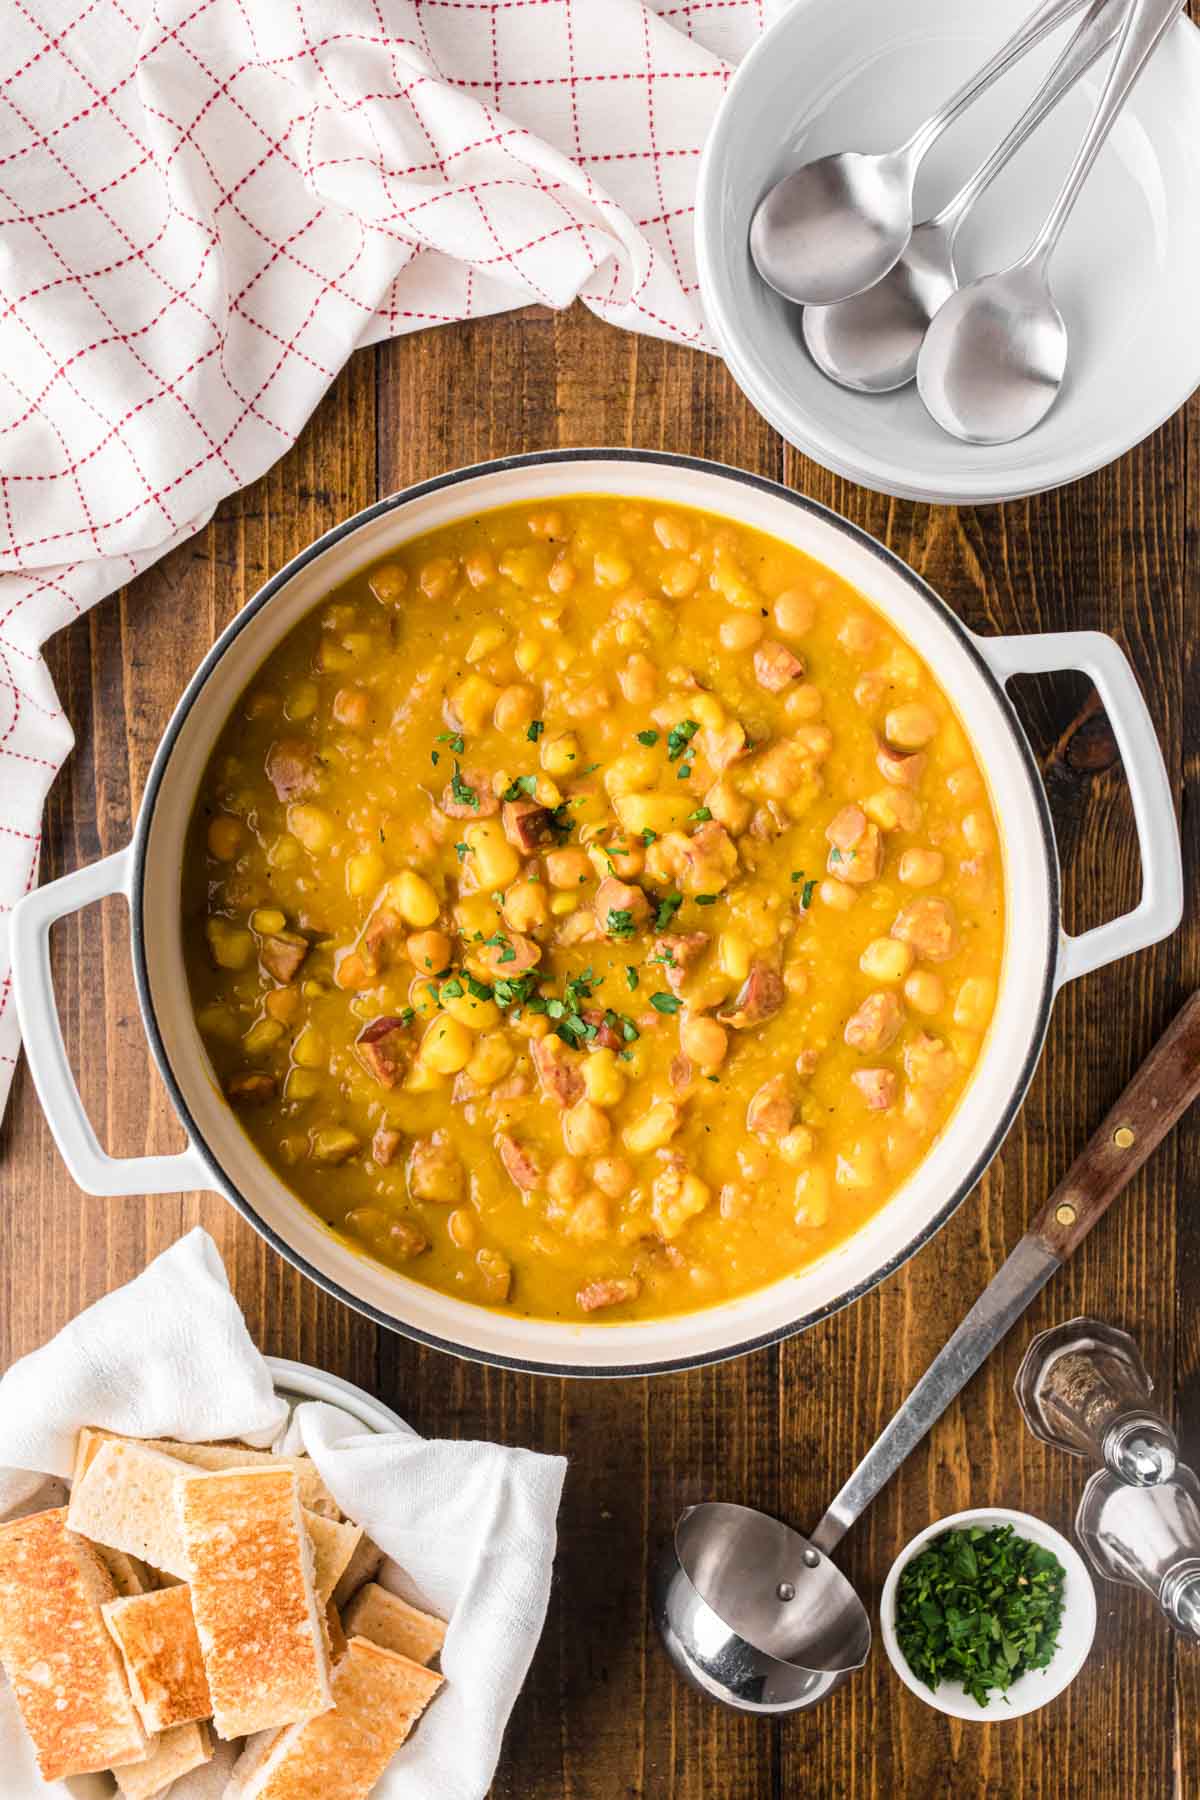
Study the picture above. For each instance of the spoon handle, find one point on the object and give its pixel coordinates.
(1047, 16)
(1146, 24)
(1164, 1087)
(1102, 24)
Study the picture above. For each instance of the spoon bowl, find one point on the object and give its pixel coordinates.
(753, 1615)
(870, 342)
(994, 357)
(833, 227)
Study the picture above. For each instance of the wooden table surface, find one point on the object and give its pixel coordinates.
(602, 1717)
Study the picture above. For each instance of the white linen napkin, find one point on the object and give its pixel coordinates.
(471, 1526)
(206, 206)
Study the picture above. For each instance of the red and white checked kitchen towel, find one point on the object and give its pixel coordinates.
(206, 205)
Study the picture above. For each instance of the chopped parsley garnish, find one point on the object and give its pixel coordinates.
(665, 1003)
(835, 855)
(979, 1607)
(452, 990)
(707, 899)
(462, 791)
(560, 819)
(668, 906)
(460, 850)
(701, 816)
(619, 923)
(514, 990)
(434, 758)
(478, 990)
(535, 730)
(649, 738)
(521, 786)
(648, 836)
(806, 894)
(683, 771)
(679, 737)
(797, 874)
(631, 977)
(407, 1016)
(455, 740)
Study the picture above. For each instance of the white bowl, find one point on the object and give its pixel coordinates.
(1037, 1686)
(852, 74)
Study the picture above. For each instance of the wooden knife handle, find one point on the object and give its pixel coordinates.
(1159, 1094)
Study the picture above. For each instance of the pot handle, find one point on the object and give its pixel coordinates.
(1160, 908)
(33, 992)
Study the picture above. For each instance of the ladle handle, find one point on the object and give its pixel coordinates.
(1163, 1088)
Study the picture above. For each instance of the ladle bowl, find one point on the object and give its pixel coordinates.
(753, 1614)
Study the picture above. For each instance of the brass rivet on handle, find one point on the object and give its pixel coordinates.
(1065, 1214)
(1124, 1137)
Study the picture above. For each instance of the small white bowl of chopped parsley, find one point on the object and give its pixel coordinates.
(988, 1614)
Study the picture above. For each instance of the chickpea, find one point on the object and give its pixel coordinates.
(473, 701)
(794, 613)
(310, 1050)
(656, 1127)
(803, 703)
(869, 691)
(525, 907)
(707, 710)
(436, 577)
(463, 1227)
(673, 533)
(560, 755)
(561, 576)
(924, 992)
(549, 524)
(485, 640)
(447, 1046)
(812, 1199)
(837, 895)
(638, 680)
(387, 583)
(887, 959)
(740, 631)
(585, 1129)
(753, 1161)
(225, 837)
(894, 809)
(364, 873)
(973, 1003)
(613, 1175)
(527, 654)
(565, 1180)
(312, 826)
(815, 741)
(568, 868)
(679, 578)
(284, 1004)
(977, 831)
(703, 1041)
(514, 709)
(352, 707)
(494, 1057)
(857, 634)
(494, 861)
(610, 569)
(921, 868)
(910, 727)
(480, 568)
(414, 899)
(964, 784)
(602, 1078)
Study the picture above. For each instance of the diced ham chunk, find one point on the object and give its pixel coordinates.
(760, 997)
(613, 896)
(772, 1110)
(846, 828)
(384, 1048)
(527, 826)
(383, 937)
(775, 666)
(292, 770)
(681, 1072)
(607, 1037)
(253, 1087)
(596, 1294)
(710, 860)
(875, 1024)
(386, 1145)
(901, 768)
(877, 1087)
(405, 1240)
(860, 862)
(558, 1070)
(485, 805)
(929, 925)
(520, 1164)
(928, 1062)
(722, 744)
(508, 955)
(676, 952)
(282, 954)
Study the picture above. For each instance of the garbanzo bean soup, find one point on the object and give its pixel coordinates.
(594, 909)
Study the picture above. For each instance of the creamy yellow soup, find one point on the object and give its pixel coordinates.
(594, 910)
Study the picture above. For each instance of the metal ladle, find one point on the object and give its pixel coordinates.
(835, 226)
(754, 1614)
(995, 357)
(870, 342)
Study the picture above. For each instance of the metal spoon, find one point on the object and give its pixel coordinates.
(994, 358)
(755, 1615)
(836, 225)
(870, 342)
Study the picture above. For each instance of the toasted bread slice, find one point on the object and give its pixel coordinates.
(126, 1499)
(257, 1617)
(176, 1753)
(156, 1635)
(363, 1566)
(378, 1698)
(211, 1779)
(335, 1637)
(65, 1670)
(313, 1492)
(129, 1575)
(333, 1546)
(394, 1624)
